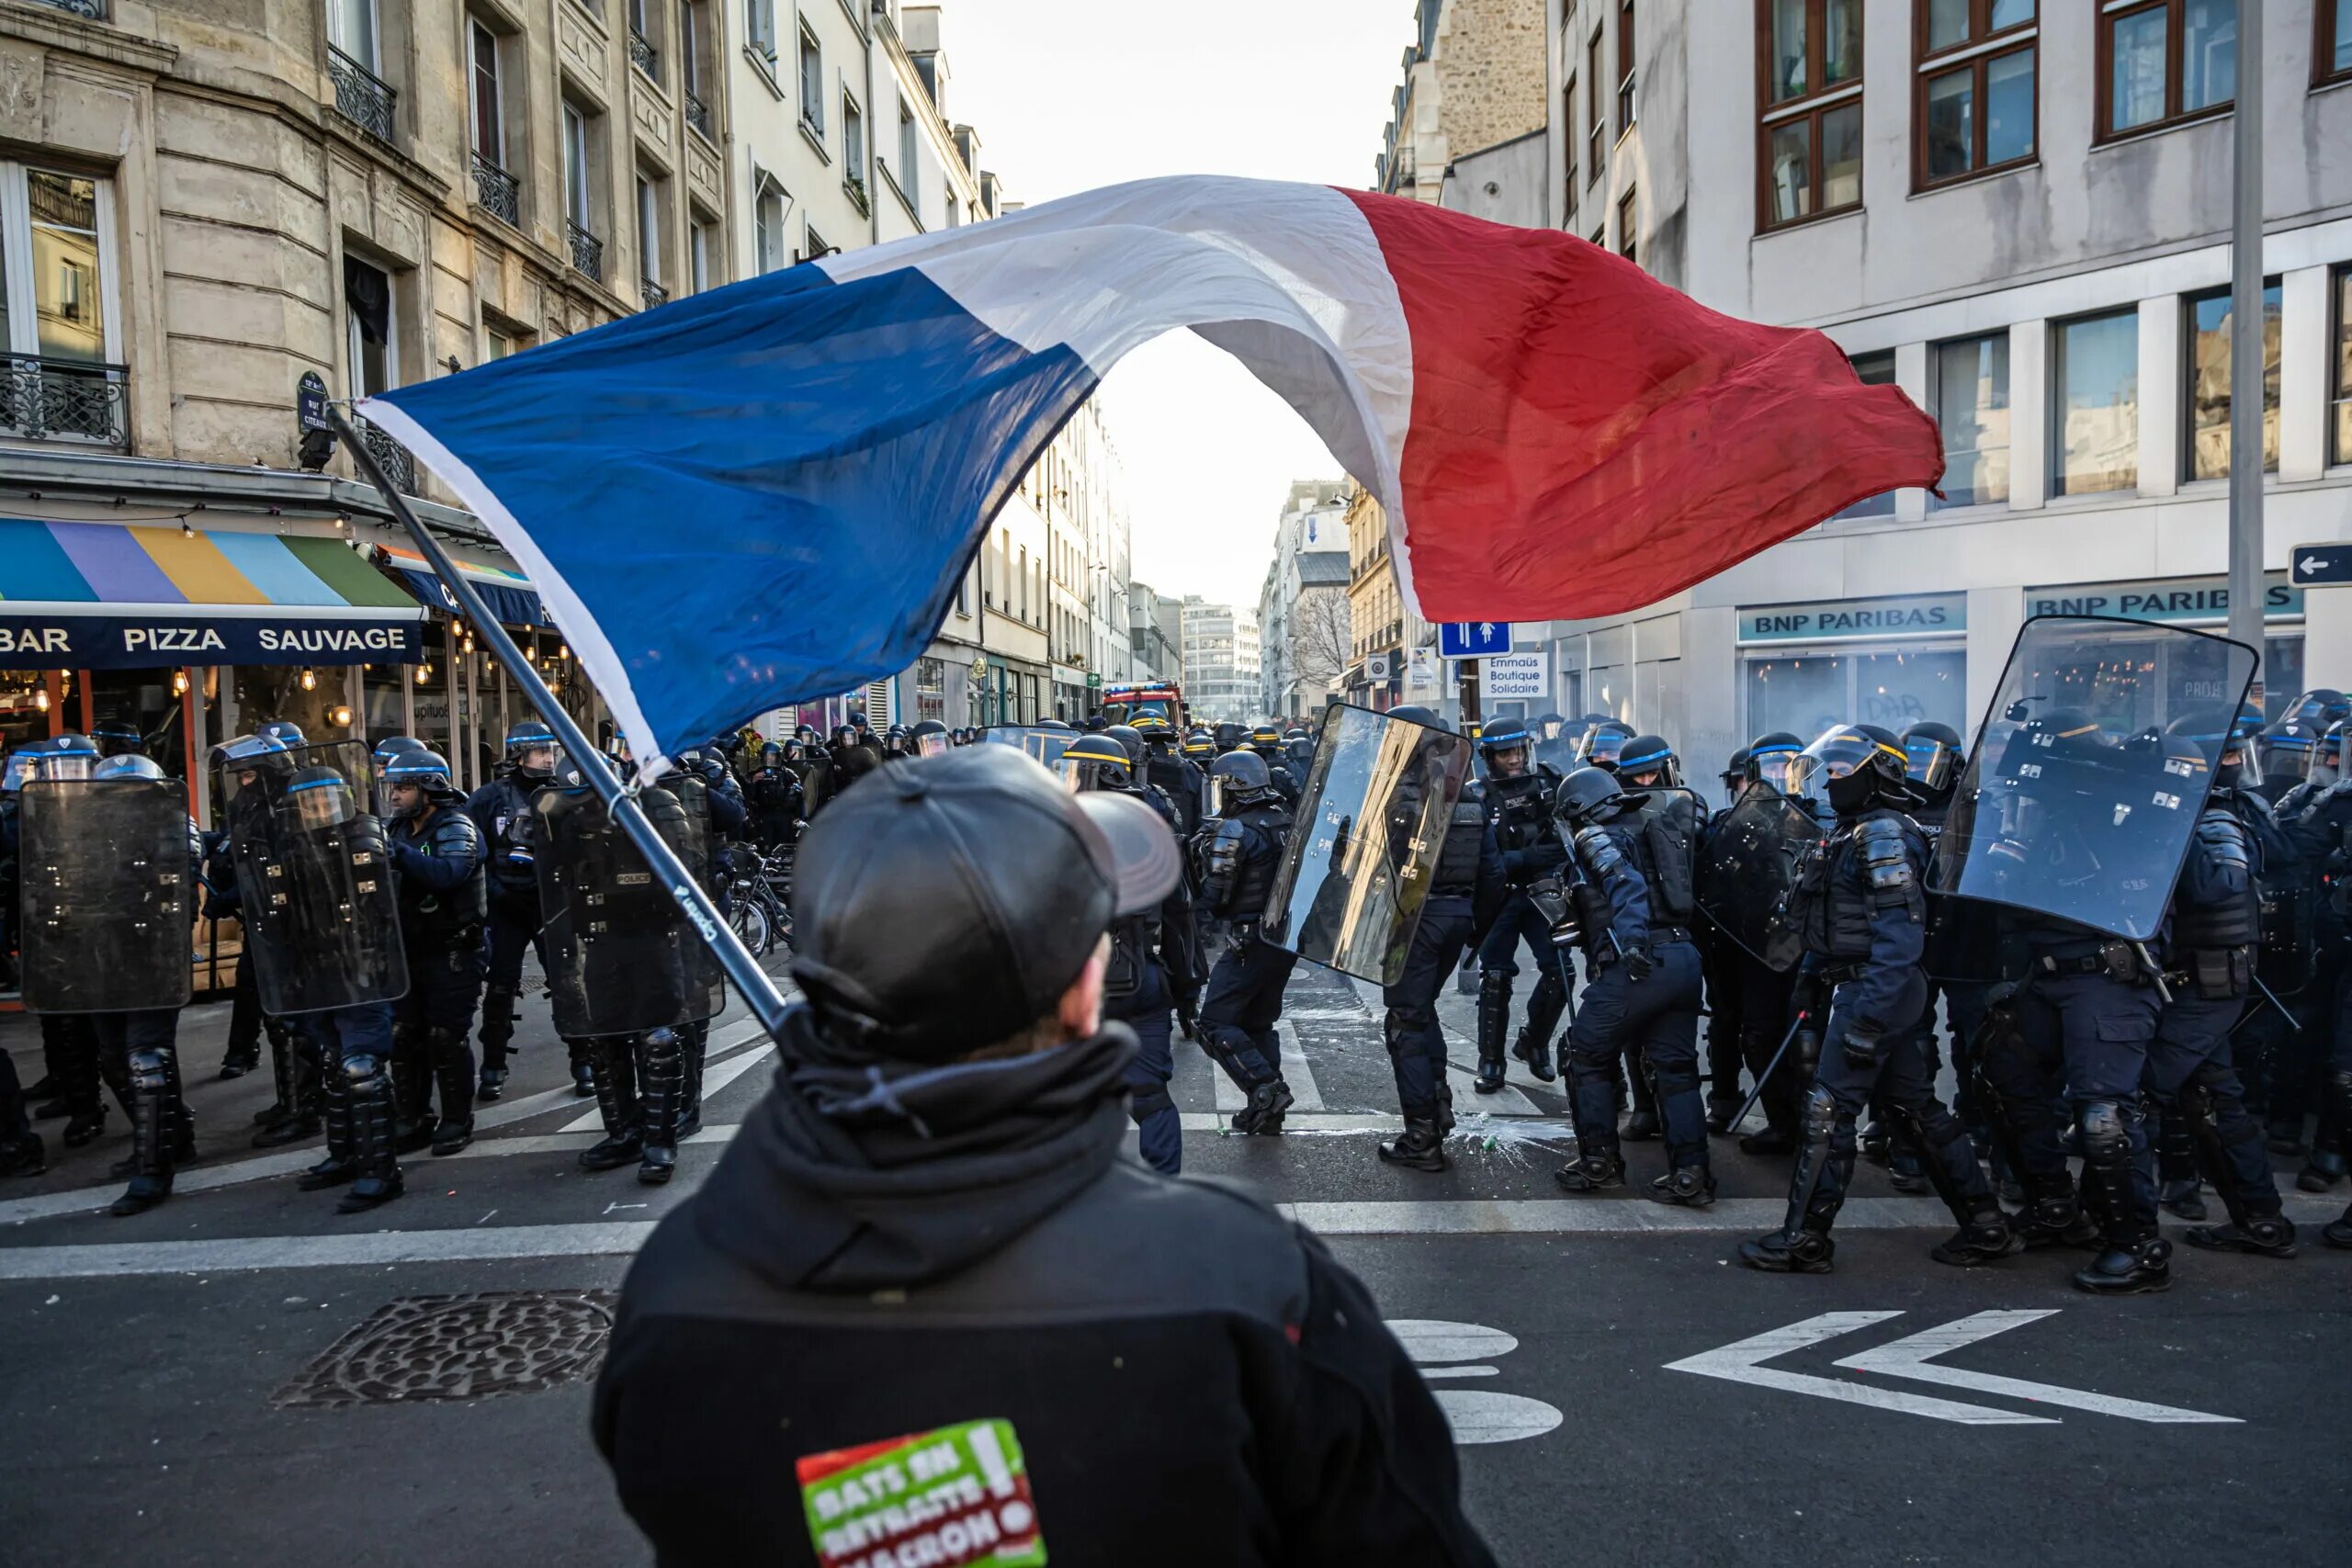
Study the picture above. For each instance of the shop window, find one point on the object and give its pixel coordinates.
(1969, 380)
(2205, 392)
(2163, 64)
(1873, 370)
(1809, 70)
(1976, 109)
(2340, 394)
(2094, 403)
(1806, 694)
(2332, 50)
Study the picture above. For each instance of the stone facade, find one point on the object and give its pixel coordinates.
(1474, 77)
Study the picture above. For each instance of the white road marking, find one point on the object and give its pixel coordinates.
(612, 1237)
(1911, 1358)
(1433, 1339)
(716, 1076)
(1477, 1416)
(1305, 1093)
(1431, 1374)
(1737, 1362)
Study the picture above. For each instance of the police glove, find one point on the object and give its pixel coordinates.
(1639, 965)
(1860, 1049)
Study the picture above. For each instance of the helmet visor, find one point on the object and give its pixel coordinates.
(1932, 764)
(70, 769)
(323, 804)
(1837, 753)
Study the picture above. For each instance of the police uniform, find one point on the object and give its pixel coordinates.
(500, 811)
(438, 861)
(1238, 854)
(1519, 807)
(1467, 892)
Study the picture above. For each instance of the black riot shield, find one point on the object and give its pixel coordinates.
(622, 956)
(315, 877)
(2086, 780)
(1747, 869)
(1372, 818)
(108, 909)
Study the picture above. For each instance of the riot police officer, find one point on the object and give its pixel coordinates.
(500, 811)
(1172, 774)
(1601, 745)
(1238, 851)
(436, 855)
(1298, 747)
(1267, 741)
(1644, 997)
(73, 1067)
(1147, 948)
(1860, 906)
(775, 799)
(1746, 861)
(1519, 804)
(118, 738)
(1467, 893)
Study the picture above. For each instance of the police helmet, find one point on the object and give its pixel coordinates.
(118, 738)
(128, 765)
(1500, 738)
(1415, 714)
(1650, 754)
(771, 755)
(2330, 750)
(1735, 773)
(1586, 797)
(1154, 727)
(2321, 707)
(1131, 740)
(2287, 748)
(1934, 756)
(844, 735)
(1237, 778)
(1603, 744)
(427, 769)
(1229, 736)
(70, 756)
(1769, 757)
(288, 733)
(893, 741)
(256, 754)
(531, 746)
(1098, 721)
(1056, 724)
(1265, 738)
(1096, 761)
(22, 764)
(322, 797)
(928, 738)
(1199, 743)
(1548, 725)
(1852, 765)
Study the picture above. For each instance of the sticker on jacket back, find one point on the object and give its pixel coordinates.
(956, 1495)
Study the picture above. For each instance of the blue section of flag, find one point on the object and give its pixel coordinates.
(761, 495)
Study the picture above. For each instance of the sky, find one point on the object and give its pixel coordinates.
(1068, 94)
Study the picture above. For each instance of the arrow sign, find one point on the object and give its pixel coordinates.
(1910, 1358)
(1472, 639)
(2320, 566)
(1738, 1363)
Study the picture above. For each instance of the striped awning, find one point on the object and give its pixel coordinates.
(507, 593)
(130, 595)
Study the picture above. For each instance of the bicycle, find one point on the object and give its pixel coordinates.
(761, 895)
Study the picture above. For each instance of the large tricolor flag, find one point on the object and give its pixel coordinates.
(768, 492)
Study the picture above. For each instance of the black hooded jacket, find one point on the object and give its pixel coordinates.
(889, 1253)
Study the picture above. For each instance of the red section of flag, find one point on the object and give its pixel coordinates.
(1586, 440)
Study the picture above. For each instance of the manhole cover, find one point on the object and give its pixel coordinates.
(469, 1347)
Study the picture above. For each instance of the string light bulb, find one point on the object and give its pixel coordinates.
(310, 678)
(179, 682)
(41, 700)
(423, 674)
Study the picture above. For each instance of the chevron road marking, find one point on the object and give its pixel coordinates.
(1738, 1363)
(1910, 1358)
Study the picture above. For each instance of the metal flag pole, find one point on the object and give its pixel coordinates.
(2248, 331)
(751, 982)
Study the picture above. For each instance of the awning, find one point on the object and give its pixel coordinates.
(134, 596)
(508, 592)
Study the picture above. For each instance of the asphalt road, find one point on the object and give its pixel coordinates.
(202, 1384)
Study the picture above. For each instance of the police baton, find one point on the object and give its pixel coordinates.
(753, 982)
(1766, 1075)
(2269, 998)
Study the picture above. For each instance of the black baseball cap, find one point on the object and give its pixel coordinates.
(948, 901)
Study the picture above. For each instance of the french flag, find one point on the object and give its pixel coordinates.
(767, 493)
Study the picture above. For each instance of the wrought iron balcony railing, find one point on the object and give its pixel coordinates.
(587, 250)
(497, 192)
(42, 398)
(398, 465)
(647, 58)
(361, 96)
(88, 10)
(699, 116)
(651, 293)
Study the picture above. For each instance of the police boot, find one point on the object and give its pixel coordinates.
(1592, 1107)
(2054, 1216)
(374, 1161)
(1419, 1147)
(2265, 1235)
(239, 1060)
(584, 1074)
(281, 1073)
(2128, 1267)
(151, 1135)
(453, 1071)
(661, 1085)
(1817, 1186)
(611, 1078)
(338, 1166)
(2326, 1166)
(1494, 1022)
(1269, 1102)
(411, 1090)
(1688, 1186)
(694, 1054)
(2335, 1232)
(179, 1122)
(23, 1157)
(2183, 1196)
(1595, 1172)
(499, 1016)
(1984, 1236)
(1805, 1252)
(1534, 1045)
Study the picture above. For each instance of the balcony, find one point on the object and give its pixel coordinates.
(62, 400)
(498, 193)
(398, 465)
(587, 250)
(361, 96)
(643, 55)
(699, 116)
(651, 293)
(88, 10)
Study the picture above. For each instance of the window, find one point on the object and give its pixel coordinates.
(759, 27)
(368, 310)
(2094, 403)
(2340, 402)
(1968, 381)
(1568, 127)
(352, 28)
(1628, 225)
(854, 140)
(1809, 63)
(1625, 66)
(816, 241)
(701, 248)
(648, 231)
(2163, 63)
(497, 342)
(812, 82)
(1873, 370)
(490, 121)
(576, 185)
(2332, 53)
(907, 148)
(55, 236)
(2205, 399)
(1597, 125)
(1976, 109)
(690, 47)
(767, 221)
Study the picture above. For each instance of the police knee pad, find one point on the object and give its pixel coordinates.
(363, 1069)
(2193, 1105)
(1820, 1113)
(664, 1045)
(151, 1069)
(2105, 1141)
(1494, 984)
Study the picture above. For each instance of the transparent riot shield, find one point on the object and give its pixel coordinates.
(1046, 745)
(2094, 760)
(1747, 868)
(622, 956)
(1372, 819)
(314, 874)
(108, 907)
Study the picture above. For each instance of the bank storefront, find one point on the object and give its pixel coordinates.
(2202, 602)
(1892, 661)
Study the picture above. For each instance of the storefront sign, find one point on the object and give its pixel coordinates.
(1503, 677)
(1420, 671)
(143, 642)
(1849, 620)
(2195, 601)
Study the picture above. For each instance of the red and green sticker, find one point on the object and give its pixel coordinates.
(955, 1495)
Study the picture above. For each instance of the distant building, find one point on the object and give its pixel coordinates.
(1304, 637)
(1152, 654)
(1220, 653)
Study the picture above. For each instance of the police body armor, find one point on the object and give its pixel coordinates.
(1457, 873)
(507, 863)
(2215, 943)
(623, 957)
(322, 917)
(1241, 860)
(449, 921)
(1861, 869)
(107, 887)
(1520, 809)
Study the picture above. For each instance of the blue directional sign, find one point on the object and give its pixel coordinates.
(1471, 639)
(2315, 566)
